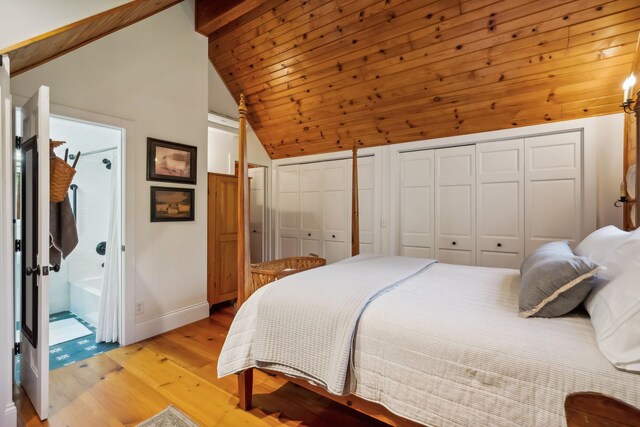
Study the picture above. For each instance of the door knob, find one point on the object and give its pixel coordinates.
(309, 234)
(499, 245)
(55, 268)
(453, 243)
(35, 270)
(333, 236)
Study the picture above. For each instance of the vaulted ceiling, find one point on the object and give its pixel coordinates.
(323, 75)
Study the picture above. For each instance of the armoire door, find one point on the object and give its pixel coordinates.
(500, 203)
(417, 204)
(455, 205)
(311, 208)
(336, 210)
(256, 213)
(288, 211)
(553, 195)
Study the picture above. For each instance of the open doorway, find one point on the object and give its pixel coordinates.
(86, 277)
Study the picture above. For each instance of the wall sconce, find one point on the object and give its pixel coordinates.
(628, 85)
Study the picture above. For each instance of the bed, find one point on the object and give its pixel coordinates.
(436, 345)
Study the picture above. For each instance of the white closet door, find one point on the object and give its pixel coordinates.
(553, 189)
(311, 208)
(336, 203)
(500, 198)
(417, 204)
(366, 204)
(455, 205)
(256, 213)
(289, 211)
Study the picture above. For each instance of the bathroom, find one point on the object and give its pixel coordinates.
(84, 296)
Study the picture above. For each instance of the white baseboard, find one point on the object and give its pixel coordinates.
(171, 320)
(10, 416)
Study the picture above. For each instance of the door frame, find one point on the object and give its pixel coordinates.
(127, 197)
(8, 411)
(127, 167)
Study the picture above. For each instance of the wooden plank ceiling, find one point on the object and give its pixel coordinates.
(38, 50)
(323, 75)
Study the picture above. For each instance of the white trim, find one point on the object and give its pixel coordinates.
(128, 321)
(171, 320)
(222, 120)
(9, 416)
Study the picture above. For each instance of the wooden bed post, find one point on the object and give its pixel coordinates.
(355, 214)
(245, 379)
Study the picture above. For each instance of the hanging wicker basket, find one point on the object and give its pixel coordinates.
(266, 272)
(61, 174)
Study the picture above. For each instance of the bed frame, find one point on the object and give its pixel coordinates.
(582, 409)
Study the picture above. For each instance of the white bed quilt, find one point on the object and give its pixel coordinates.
(447, 348)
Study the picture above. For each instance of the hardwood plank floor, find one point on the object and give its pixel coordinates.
(128, 385)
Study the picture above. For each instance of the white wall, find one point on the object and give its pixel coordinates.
(18, 22)
(223, 150)
(153, 74)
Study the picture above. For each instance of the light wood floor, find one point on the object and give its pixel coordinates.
(130, 384)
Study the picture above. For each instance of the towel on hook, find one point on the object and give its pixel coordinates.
(63, 233)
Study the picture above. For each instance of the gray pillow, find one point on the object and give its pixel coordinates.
(554, 281)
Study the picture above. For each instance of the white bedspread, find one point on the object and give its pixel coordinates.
(293, 315)
(447, 348)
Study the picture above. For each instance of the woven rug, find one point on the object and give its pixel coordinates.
(170, 417)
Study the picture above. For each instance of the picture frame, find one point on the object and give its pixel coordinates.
(171, 162)
(170, 204)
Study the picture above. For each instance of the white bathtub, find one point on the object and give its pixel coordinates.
(84, 299)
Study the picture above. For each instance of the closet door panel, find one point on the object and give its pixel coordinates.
(417, 204)
(336, 204)
(488, 258)
(455, 205)
(311, 208)
(449, 256)
(500, 203)
(366, 203)
(289, 211)
(553, 189)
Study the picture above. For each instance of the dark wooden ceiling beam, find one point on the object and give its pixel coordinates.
(212, 15)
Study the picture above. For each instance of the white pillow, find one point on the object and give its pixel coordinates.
(599, 244)
(623, 257)
(615, 314)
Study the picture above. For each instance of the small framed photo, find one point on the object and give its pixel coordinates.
(172, 204)
(171, 162)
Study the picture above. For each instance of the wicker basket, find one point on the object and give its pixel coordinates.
(61, 174)
(267, 272)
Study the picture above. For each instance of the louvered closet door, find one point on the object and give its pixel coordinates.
(417, 204)
(500, 203)
(336, 207)
(289, 211)
(455, 205)
(366, 204)
(553, 189)
(256, 213)
(311, 208)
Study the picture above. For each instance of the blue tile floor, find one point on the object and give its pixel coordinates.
(70, 352)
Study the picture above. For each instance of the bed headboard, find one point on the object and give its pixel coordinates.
(631, 154)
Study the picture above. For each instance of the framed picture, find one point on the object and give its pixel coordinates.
(171, 162)
(172, 204)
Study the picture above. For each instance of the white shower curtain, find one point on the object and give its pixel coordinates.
(109, 316)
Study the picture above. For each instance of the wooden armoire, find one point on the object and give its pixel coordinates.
(222, 238)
